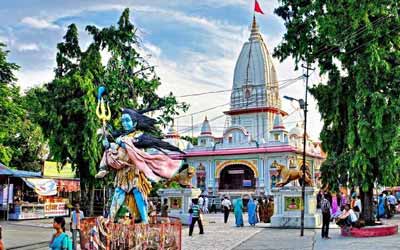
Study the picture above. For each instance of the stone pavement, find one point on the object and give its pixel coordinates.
(282, 239)
(21, 235)
(219, 236)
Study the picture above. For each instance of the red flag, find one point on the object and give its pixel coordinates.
(257, 7)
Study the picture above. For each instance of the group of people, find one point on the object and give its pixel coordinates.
(259, 210)
(338, 207)
(386, 206)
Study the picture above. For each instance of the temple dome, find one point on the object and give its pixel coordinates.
(206, 128)
(172, 133)
(261, 69)
(255, 77)
(173, 138)
(297, 131)
(278, 122)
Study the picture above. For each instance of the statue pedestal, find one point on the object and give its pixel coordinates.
(287, 210)
(179, 201)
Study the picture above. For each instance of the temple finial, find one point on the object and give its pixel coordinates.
(255, 34)
(254, 25)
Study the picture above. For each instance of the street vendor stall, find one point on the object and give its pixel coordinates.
(5, 190)
(68, 187)
(34, 197)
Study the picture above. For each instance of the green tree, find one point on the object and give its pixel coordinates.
(10, 111)
(69, 104)
(356, 45)
(21, 140)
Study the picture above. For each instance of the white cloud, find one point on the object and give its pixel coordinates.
(152, 49)
(27, 47)
(194, 72)
(39, 23)
(29, 78)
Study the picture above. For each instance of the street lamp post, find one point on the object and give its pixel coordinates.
(303, 106)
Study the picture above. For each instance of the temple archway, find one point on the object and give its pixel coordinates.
(237, 177)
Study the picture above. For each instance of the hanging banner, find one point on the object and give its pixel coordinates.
(43, 187)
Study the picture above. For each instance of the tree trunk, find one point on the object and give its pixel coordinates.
(91, 199)
(367, 204)
(84, 197)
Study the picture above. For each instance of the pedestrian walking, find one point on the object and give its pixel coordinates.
(326, 217)
(164, 208)
(381, 207)
(60, 240)
(262, 210)
(238, 209)
(270, 208)
(226, 206)
(195, 211)
(213, 207)
(392, 202)
(205, 206)
(75, 224)
(201, 201)
(252, 212)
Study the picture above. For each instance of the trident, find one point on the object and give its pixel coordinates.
(102, 113)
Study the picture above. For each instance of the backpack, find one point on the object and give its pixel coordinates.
(67, 243)
(325, 206)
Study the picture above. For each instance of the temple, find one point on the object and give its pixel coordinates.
(241, 161)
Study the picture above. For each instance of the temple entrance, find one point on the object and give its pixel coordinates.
(237, 177)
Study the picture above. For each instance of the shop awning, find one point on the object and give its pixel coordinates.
(25, 174)
(68, 185)
(43, 187)
(4, 170)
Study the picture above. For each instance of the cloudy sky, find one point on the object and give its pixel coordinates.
(193, 44)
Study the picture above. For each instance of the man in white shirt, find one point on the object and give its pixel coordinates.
(392, 201)
(226, 206)
(205, 207)
(201, 201)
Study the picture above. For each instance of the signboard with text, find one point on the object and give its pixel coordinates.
(54, 169)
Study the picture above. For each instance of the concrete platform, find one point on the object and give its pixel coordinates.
(371, 231)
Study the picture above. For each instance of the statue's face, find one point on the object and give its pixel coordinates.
(127, 122)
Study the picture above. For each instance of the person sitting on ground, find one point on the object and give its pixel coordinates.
(347, 218)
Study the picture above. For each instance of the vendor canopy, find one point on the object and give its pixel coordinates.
(43, 187)
(4, 170)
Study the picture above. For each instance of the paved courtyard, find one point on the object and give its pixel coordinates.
(27, 235)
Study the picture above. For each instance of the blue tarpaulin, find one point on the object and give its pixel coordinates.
(18, 173)
(4, 170)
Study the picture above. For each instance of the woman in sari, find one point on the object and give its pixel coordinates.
(270, 209)
(335, 208)
(238, 209)
(252, 212)
(381, 206)
(262, 210)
